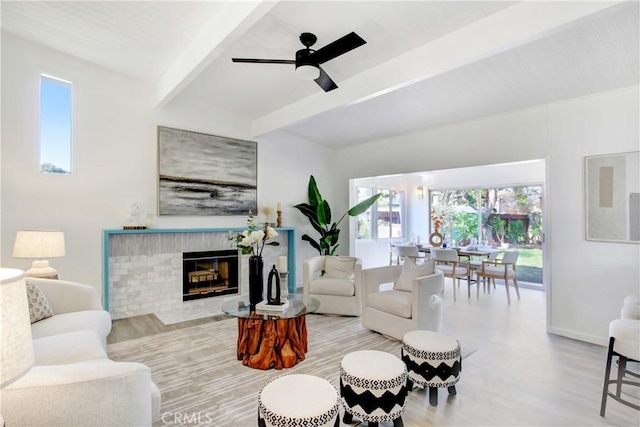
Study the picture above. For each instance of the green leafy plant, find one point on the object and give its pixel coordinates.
(516, 232)
(498, 225)
(318, 212)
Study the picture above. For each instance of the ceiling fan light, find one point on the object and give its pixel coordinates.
(307, 72)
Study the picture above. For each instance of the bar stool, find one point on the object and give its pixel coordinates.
(373, 387)
(624, 342)
(298, 400)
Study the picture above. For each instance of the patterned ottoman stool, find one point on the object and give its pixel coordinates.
(373, 387)
(298, 400)
(433, 360)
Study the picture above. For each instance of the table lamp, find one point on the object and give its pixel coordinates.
(39, 244)
(16, 345)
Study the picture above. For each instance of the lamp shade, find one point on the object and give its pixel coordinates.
(39, 244)
(16, 345)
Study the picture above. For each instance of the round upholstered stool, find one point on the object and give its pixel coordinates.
(624, 342)
(298, 400)
(373, 387)
(433, 360)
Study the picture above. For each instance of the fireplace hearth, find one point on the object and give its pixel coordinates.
(209, 274)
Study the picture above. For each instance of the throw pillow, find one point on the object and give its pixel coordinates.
(410, 271)
(38, 306)
(339, 267)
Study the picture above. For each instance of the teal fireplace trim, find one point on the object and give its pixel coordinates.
(106, 235)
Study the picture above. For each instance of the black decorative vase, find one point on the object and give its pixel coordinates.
(256, 281)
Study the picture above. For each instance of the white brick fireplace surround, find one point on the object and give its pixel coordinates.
(142, 269)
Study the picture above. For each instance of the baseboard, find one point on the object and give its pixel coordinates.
(578, 336)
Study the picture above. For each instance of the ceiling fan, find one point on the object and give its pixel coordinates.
(308, 60)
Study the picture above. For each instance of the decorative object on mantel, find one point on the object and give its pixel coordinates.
(39, 244)
(150, 220)
(318, 213)
(279, 217)
(612, 197)
(134, 212)
(201, 174)
(252, 242)
(267, 211)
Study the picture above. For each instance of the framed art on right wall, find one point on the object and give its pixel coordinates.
(612, 197)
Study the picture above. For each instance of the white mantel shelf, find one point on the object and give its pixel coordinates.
(108, 234)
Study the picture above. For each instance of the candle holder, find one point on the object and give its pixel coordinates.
(284, 287)
(279, 219)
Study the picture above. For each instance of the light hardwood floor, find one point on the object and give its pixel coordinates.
(518, 375)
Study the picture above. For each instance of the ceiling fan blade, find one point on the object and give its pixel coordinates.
(264, 61)
(325, 82)
(337, 48)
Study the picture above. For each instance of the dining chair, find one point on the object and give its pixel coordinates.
(448, 261)
(504, 269)
(409, 251)
(393, 252)
(476, 265)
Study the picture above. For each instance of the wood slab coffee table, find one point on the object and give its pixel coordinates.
(274, 340)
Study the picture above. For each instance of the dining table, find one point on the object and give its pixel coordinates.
(479, 252)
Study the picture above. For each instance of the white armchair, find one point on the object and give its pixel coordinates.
(414, 303)
(335, 281)
(89, 393)
(72, 382)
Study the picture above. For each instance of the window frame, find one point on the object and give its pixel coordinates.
(373, 215)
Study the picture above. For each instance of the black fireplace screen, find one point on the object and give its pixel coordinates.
(209, 274)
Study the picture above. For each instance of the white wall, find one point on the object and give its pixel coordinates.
(115, 158)
(587, 280)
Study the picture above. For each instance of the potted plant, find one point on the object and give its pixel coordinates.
(318, 212)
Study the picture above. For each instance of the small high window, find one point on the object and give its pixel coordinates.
(55, 125)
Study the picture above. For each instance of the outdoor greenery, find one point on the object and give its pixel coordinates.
(499, 210)
(51, 168)
(510, 215)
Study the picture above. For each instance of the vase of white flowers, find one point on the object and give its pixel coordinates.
(252, 242)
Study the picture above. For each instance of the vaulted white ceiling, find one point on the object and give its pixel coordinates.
(426, 63)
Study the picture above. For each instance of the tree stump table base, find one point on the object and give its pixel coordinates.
(265, 343)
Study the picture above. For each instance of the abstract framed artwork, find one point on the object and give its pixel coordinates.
(612, 197)
(201, 174)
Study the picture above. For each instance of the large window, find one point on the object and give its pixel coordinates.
(385, 219)
(508, 218)
(55, 125)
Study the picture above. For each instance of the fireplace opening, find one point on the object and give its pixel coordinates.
(209, 274)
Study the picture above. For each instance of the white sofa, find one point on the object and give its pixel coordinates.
(335, 281)
(73, 382)
(76, 307)
(415, 304)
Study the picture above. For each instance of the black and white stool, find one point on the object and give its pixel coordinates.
(624, 342)
(433, 360)
(373, 387)
(298, 400)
